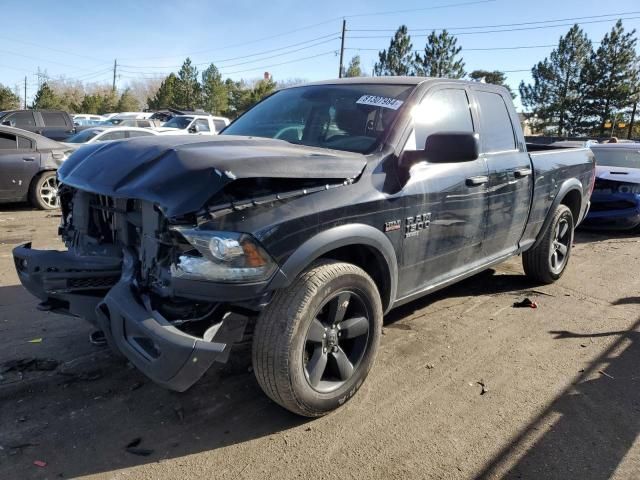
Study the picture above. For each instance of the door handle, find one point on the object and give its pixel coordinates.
(522, 172)
(29, 159)
(477, 181)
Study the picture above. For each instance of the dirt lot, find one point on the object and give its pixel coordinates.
(562, 381)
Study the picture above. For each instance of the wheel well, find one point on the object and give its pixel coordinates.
(371, 261)
(573, 200)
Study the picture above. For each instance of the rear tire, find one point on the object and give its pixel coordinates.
(43, 193)
(315, 343)
(547, 261)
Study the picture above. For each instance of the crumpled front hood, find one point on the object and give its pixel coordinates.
(618, 174)
(180, 174)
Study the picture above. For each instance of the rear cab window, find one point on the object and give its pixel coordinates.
(54, 119)
(20, 119)
(496, 130)
(219, 124)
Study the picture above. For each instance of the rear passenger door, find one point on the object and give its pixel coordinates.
(445, 201)
(56, 125)
(510, 174)
(19, 163)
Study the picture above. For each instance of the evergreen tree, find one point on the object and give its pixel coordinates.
(495, 77)
(165, 97)
(215, 98)
(354, 70)
(612, 76)
(441, 57)
(8, 99)
(127, 102)
(91, 104)
(398, 59)
(46, 98)
(556, 96)
(188, 90)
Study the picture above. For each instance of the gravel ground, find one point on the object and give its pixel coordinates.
(561, 388)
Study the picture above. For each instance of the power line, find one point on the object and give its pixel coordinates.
(499, 26)
(264, 67)
(307, 27)
(334, 36)
(480, 49)
(513, 29)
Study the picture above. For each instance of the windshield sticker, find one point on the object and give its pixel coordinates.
(385, 102)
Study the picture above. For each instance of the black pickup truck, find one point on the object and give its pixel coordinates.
(311, 216)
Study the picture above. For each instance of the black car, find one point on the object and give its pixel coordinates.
(28, 164)
(53, 124)
(312, 215)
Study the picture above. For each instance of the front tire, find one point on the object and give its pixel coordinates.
(44, 191)
(315, 343)
(547, 261)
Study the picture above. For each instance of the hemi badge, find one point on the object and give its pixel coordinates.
(392, 226)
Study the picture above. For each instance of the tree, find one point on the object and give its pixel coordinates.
(215, 97)
(611, 76)
(188, 91)
(165, 97)
(261, 89)
(495, 77)
(398, 59)
(440, 57)
(127, 102)
(354, 70)
(8, 99)
(46, 98)
(144, 88)
(238, 95)
(556, 96)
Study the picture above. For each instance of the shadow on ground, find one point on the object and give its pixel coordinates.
(80, 417)
(595, 418)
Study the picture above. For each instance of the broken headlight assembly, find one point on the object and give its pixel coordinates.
(228, 257)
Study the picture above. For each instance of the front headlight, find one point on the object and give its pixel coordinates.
(223, 257)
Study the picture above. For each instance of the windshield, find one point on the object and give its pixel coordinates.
(83, 136)
(342, 117)
(178, 122)
(618, 157)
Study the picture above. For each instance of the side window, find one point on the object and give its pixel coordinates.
(443, 111)
(496, 130)
(144, 123)
(21, 119)
(25, 143)
(219, 124)
(111, 136)
(137, 133)
(8, 141)
(203, 125)
(54, 119)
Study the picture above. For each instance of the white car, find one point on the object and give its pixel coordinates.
(106, 134)
(83, 119)
(195, 124)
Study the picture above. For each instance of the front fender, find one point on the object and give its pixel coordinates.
(337, 237)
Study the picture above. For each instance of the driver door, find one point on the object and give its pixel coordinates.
(446, 203)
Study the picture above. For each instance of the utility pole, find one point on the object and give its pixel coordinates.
(115, 66)
(344, 28)
(25, 92)
(633, 118)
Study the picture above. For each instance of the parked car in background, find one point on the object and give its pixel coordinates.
(195, 124)
(131, 122)
(28, 164)
(397, 187)
(106, 134)
(86, 119)
(615, 202)
(54, 124)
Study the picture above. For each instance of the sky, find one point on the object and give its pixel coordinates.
(290, 39)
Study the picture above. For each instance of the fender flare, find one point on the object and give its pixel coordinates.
(337, 237)
(566, 187)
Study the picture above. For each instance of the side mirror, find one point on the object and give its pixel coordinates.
(7, 123)
(452, 147)
(194, 129)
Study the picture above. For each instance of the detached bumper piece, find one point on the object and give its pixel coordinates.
(168, 356)
(101, 290)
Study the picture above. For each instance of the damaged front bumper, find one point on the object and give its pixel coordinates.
(76, 285)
